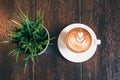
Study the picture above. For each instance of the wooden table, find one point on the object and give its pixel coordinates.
(103, 16)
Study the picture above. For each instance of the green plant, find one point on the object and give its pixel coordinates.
(30, 37)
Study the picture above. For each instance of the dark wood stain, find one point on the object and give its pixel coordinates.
(104, 19)
(103, 16)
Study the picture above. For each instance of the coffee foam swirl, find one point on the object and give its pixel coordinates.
(78, 40)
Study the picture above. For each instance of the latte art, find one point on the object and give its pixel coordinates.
(78, 40)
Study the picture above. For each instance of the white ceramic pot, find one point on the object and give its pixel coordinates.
(47, 44)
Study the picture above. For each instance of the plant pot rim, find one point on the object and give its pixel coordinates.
(47, 43)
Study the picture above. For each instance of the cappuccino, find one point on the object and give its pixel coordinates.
(78, 40)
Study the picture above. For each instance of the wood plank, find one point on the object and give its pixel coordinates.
(103, 17)
(5, 60)
(9, 68)
(57, 15)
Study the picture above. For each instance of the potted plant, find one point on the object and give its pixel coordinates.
(31, 38)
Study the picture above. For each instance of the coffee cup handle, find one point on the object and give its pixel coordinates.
(98, 41)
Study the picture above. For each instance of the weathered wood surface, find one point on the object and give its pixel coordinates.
(103, 16)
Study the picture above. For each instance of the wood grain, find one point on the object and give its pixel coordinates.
(103, 17)
(57, 15)
(5, 60)
(9, 68)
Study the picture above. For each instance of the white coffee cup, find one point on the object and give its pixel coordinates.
(72, 55)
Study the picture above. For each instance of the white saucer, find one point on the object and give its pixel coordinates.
(72, 56)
